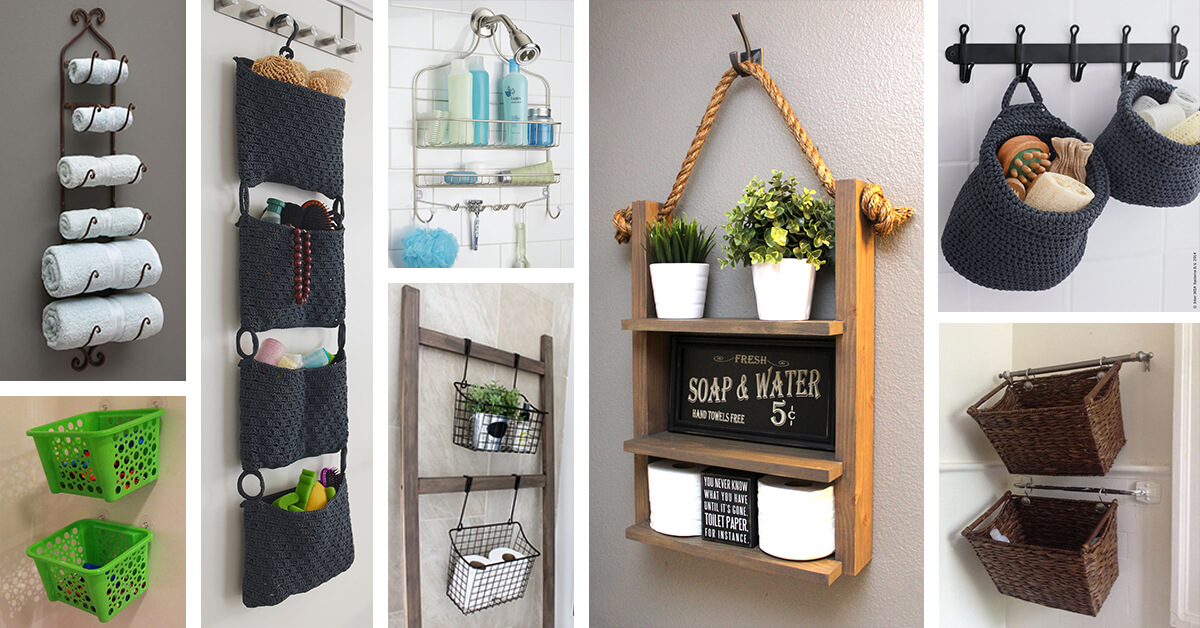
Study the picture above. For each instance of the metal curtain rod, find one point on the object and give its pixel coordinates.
(1137, 356)
(1137, 492)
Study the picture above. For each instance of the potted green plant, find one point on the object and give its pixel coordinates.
(492, 407)
(678, 251)
(784, 237)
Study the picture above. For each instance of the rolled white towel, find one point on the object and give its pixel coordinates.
(103, 72)
(107, 120)
(109, 169)
(66, 268)
(67, 324)
(1185, 100)
(112, 222)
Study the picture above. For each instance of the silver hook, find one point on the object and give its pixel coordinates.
(1101, 507)
(1025, 500)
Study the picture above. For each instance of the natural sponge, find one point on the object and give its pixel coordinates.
(1054, 192)
(330, 81)
(281, 68)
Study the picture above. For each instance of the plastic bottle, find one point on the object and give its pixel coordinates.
(514, 92)
(271, 211)
(459, 84)
(317, 358)
(480, 93)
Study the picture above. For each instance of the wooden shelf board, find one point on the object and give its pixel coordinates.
(824, 570)
(734, 326)
(788, 462)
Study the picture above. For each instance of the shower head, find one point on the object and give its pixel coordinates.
(525, 51)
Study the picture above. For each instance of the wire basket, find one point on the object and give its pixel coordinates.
(1068, 424)
(95, 566)
(1060, 553)
(491, 426)
(106, 454)
(489, 564)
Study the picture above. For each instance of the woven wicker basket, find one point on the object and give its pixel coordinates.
(1067, 424)
(1061, 553)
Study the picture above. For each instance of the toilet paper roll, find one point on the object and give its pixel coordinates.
(1163, 116)
(675, 497)
(462, 582)
(1053, 192)
(1144, 102)
(504, 555)
(1185, 100)
(795, 518)
(1186, 132)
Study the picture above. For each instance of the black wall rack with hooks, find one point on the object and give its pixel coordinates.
(1023, 56)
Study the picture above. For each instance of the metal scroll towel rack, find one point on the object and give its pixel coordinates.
(1137, 356)
(90, 19)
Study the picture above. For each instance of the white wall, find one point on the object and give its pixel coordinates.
(421, 34)
(30, 512)
(972, 476)
(345, 600)
(1138, 258)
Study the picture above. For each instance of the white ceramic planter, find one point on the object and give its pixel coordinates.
(784, 290)
(679, 289)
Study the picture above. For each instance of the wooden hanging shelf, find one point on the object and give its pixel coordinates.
(849, 467)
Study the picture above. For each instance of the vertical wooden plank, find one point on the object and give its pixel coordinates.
(649, 359)
(549, 501)
(855, 278)
(410, 520)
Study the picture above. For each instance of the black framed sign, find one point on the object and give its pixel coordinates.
(763, 390)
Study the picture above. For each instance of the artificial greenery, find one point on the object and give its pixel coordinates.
(494, 398)
(679, 242)
(772, 222)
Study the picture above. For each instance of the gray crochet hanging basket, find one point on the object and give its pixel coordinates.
(1145, 167)
(992, 237)
(290, 414)
(293, 552)
(266, 290)
(287, 133)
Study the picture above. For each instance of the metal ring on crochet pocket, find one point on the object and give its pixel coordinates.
(341, 339)
(243, 199)
(262, 484)
(339, 211)
(253, 341)
(345, 448)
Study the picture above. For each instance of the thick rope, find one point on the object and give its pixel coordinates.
(875, 206)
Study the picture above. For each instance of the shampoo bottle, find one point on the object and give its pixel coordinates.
(460, 102)
(480, 92)
(514, 91)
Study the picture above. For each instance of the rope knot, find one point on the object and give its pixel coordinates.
(880, 211)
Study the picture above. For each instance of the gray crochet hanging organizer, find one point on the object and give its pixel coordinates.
(291, 135)
(290, 414)
(293, 552)
(992, 237)
(1145, 167)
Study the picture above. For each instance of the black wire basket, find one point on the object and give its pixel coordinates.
(489, 564)
(495, 427)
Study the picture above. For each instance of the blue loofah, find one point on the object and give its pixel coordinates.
(429, 248)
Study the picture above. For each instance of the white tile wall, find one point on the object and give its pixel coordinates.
(429, 33)
(1137, 258)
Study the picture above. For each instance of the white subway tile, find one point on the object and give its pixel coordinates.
(488, 256)
(1132, 284)
(1122, 230)
(554, 11)
(411, 28)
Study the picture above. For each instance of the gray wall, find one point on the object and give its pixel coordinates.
(31, 34)
(853, 73)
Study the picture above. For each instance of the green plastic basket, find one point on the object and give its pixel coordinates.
(100, 454)
(115, 574)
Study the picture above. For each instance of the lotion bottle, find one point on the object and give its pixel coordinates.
(480, 92)
(459, 84)
(514, 92)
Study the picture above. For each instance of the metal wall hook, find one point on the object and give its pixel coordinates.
(1076, 71)
(754, 56)
(964, 68)
(1174, 53)
(91, 356)
(1125, 72)
(281, 20)
(1019, 54)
